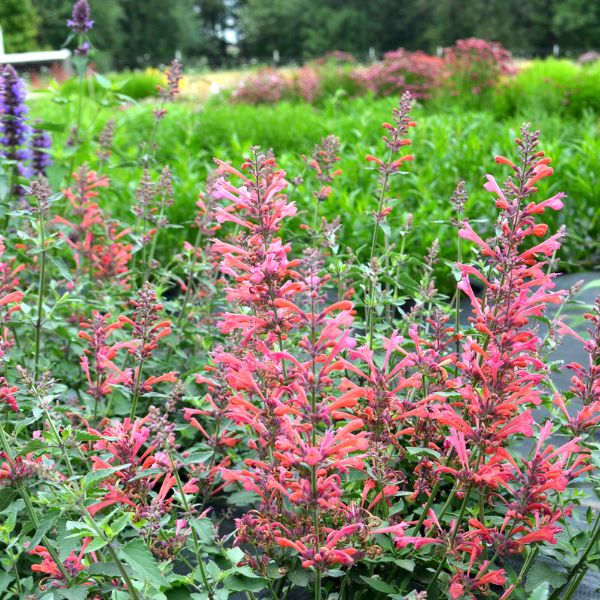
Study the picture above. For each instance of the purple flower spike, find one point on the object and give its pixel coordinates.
(80, 21)
(14, 130)
(40, 143)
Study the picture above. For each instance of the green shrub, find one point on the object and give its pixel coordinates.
(449, 146)
(552, 86)
(134, 84)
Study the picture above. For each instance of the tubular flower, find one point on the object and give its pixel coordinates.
(73, 564)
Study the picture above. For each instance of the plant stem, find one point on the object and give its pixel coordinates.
(113, 554)
(136, 387)
(427, 506)
(318, 584)
(461, 514)
(186, 507)
(56, 434)
(41, 291)
(437, 573)
(17, 578)
(372, 284)
(29, 505)
(188, 288)
(576, 573)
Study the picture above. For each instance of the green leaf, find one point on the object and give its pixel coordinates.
(32, 446)
(235, 555)
(79, 592)
(61, 267)
(95, 476)
(405, 563)
(103, 82)
(422, 452)
(205, 530)
(50, 126)
(144, 565)
(100, 568)
(379, 585)
(41, 531)
(5, 579)
(541, 592)
(544, 573)
(146, 473)
(242, 583)
(299, 577)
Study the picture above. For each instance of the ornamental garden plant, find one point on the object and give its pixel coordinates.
(265, 413)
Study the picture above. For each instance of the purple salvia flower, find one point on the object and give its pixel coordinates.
(14, 130)
(40, 144)
(80, 21)
(83, 50)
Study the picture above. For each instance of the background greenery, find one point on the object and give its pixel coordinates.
(454, 140)
(134, 34)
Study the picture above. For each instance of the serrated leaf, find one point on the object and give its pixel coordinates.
(32, 446)
(235, 555)
(41, 531)
(60, 265)
(205, 530)
(144, 565)
(298, 577)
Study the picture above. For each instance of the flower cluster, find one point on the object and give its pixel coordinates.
(14, 130)
(473, 65)
(41, 142)
(469, 66)
(264, 86)
(402, 70)
(96, 242)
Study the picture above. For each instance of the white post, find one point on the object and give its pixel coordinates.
(439, 52)
(372, 54)
(276, 56)
(1, 42)
(555, 50)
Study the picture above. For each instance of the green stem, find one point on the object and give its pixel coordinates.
(188, 288)
(437, 573)
(428, 504)
(186, 507)
(59, 441)
(136, 387)
(461, 514)
(576, 573)
(79, 115)
(41, 292)
(524, 570)
(113, 555)
(17, 577)
(372, 284)
(318, 584)
(30, 508)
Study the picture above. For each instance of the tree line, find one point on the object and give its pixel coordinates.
(135, 33)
